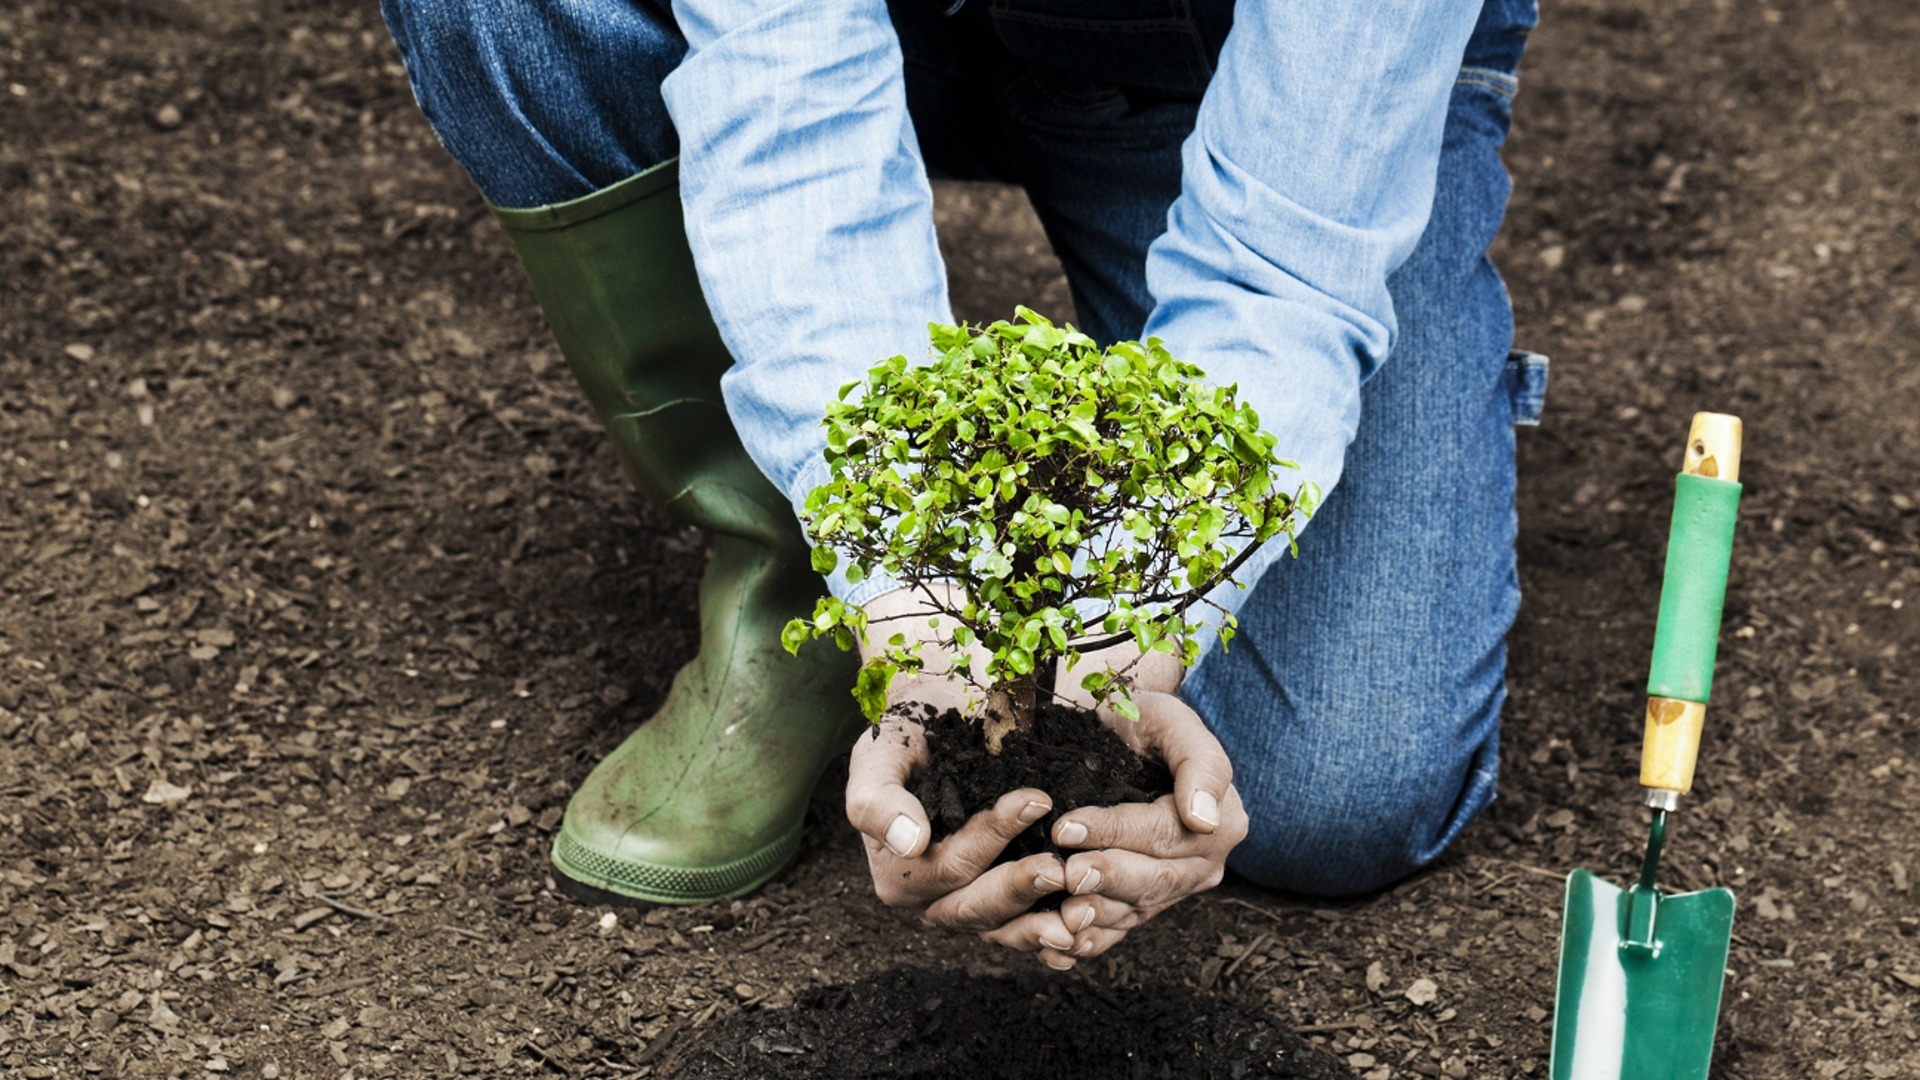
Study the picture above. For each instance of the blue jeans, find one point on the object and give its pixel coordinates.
(1360, 700)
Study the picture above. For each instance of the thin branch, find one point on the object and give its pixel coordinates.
(1131, 664)
(1187, 599)
(896, 618)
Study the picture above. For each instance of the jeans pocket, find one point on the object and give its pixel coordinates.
(1526, 383)
(1150, 45)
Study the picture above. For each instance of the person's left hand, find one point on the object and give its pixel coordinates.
(1135, 861)
(953, 883)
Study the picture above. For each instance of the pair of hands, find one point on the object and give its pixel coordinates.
(1130, 863)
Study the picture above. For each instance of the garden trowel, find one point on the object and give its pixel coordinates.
(1641, 970)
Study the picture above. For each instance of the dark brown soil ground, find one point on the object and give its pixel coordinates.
(319, 589)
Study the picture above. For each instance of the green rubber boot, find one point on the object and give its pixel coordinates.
(704, 800)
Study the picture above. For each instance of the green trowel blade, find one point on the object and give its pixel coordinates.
(1640, 979)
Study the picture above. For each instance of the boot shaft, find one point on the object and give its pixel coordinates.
(616, 279)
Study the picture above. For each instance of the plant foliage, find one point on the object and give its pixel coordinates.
(1078, 498)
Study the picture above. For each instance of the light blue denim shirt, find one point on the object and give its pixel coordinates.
(1308, 178)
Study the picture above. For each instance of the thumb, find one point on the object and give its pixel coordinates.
(878, 802)
(973, 847)
(1201, 770)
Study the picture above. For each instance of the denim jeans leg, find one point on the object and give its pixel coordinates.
(1360, 700)
(542, 102)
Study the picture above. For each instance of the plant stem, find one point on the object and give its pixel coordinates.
(1010, 705)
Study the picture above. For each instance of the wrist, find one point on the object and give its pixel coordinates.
(917, 615)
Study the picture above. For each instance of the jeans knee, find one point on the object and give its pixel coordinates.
(542, 102)
(434, 33)
(1374, 810)
(454, 55)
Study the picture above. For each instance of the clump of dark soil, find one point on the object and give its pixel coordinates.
(1069, 754)
(909, 1024)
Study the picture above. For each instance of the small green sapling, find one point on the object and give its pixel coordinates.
(1074, 498)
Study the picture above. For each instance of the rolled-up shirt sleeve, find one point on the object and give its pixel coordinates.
(808, 211)
(1308, 178)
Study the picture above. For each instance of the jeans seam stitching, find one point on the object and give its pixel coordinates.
(1488, 79)
(1481, 84)
(1490, 73)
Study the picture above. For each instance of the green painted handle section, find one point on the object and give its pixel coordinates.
(1698, 550)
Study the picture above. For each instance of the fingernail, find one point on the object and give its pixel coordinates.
(1044, 884)
(1206, 808)
(1032, 812)
(1086, 920)
(1073, 833)
(1055, 942)
(1063, 964)
(1088, 883)
(1083, 948)
(902, 835)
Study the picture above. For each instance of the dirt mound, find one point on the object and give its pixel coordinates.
(909, 1024)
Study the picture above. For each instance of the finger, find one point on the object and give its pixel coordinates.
(1151, 828)
(1000, 895)
(1035, 931)
(970, 851)
(1082, 913)
(1201, 771)
(878, 803)
(960, 859)
(1091, 943)
(1141, 880)
(1058, 961)
(1154, 828)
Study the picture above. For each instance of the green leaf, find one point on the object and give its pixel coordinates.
(795, 634)
(1029, 636)
(871, 685)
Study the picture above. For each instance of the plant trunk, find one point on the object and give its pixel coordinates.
(1010, 705)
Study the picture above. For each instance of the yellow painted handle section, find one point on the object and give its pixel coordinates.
(1713, 447)
(1671, 747)
(1672, 744)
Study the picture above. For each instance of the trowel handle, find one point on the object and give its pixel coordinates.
(1705, 506)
